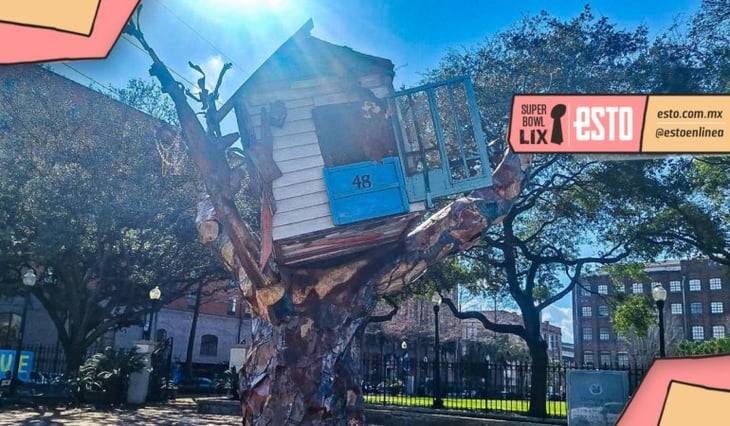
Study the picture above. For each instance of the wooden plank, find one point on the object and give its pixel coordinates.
(293, 127)
(299, 189)
(335, 98)
(298, 177)
(287, 141)
(337, 241)
(296, 152)
(293, 229)
(300, 163)
(291, 204)
(302, 214)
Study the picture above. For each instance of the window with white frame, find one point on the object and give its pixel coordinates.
(621, 288)
(715, 284)
(588, 358)
(605, 359)
(676, 308)
(716, 307)
(603, 311)
(675, 286)
(603, 334)
(637, 288)
(622, 360)
(587, 311)
(587, 334)
(694, 285)
(718, 331)
(695, 308)
(585, 290)
(602, 289)
(698, 332)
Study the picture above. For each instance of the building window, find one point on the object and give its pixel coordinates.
(232, 302)
(209, 345)
(621, 288)
(585, 290)
(716, 307)
(587, 311)
(715, 284)
(637, 288)
(605, 359)
(587, 334)
(695, 308)
(698, 332)
(622, 360)
(676, 308)
(603, 334)
(694, 285)
(602, 289)
(675, 286)
(588, 358)
(603, 310)
(718, 331)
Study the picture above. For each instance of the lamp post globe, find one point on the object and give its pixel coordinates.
(155, 294)
(659, 294)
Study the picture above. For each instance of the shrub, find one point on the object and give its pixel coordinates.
(107, 373)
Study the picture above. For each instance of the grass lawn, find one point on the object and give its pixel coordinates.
(554, 408)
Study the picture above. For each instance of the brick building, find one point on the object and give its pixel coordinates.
(414, 324)
(695, 309)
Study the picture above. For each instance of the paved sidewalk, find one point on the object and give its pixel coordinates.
(181, 412)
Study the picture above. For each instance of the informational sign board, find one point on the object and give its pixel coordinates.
(596, 398)
(7, 363)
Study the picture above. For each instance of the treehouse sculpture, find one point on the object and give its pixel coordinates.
(344, 167)
(350, 159)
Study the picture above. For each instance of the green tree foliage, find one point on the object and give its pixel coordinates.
(707, 347)
(635, 314)
(84, 197)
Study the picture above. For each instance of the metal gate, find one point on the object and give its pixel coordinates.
(440, 140)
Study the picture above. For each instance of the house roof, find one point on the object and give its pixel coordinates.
(305, 56)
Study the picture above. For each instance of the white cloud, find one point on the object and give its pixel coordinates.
(561, 317)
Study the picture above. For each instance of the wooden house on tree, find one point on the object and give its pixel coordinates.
(351, 163)
(345, 167)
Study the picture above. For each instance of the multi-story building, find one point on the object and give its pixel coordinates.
(568, 352)
(695, 309)
(414, 324)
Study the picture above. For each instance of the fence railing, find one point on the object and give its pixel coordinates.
(470, 386)
(50, 359)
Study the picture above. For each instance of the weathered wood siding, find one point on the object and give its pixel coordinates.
(300, 194)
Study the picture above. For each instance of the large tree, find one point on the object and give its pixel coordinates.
(298, 371)
(85, 205)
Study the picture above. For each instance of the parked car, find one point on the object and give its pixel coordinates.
(202, 385)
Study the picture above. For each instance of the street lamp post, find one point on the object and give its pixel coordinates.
(437, 401)
(155, 295)
(29, 280)
(659, 294)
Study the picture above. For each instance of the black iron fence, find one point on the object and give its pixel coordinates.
(49, 360)
(470, 386)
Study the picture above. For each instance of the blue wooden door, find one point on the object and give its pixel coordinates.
(441, 144)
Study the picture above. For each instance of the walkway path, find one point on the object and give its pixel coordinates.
(181, 412)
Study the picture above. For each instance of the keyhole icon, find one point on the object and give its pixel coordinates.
(556, 136)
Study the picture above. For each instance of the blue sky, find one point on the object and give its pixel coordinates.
(414, 34)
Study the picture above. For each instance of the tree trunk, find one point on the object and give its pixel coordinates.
(75, 355)
(301, 370)
(191, 337)
(538, 375)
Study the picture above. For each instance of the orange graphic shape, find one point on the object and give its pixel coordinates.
(26, 43)
(74, 16)
(685, 400)
(655, 399)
